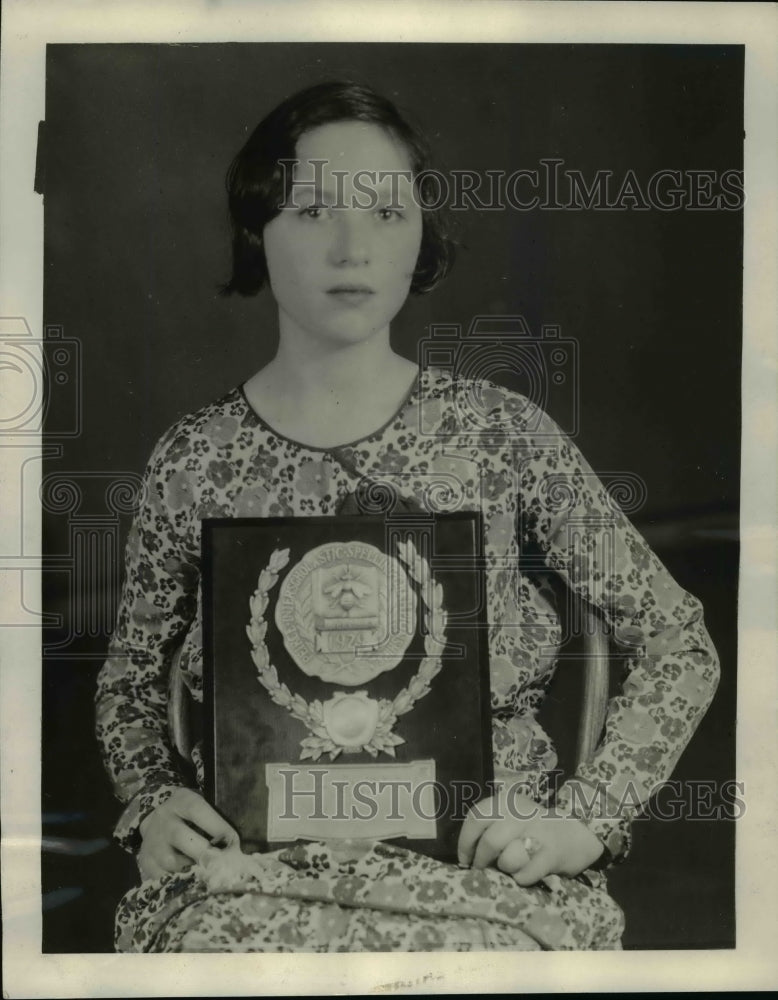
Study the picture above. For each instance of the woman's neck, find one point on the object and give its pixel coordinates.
(313, 370)
(326, 397)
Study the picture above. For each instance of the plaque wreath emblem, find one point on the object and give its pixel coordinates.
(351, 721)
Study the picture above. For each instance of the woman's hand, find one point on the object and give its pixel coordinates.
(525, 840)
(169, 842)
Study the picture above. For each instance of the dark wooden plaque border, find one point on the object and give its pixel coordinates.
(462, 731)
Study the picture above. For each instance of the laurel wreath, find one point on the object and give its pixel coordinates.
(383, 740)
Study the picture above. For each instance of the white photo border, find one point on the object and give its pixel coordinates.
(28, 26)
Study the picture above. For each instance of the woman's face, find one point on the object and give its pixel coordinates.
(342, 252)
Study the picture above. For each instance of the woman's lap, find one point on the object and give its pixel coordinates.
(318, 897)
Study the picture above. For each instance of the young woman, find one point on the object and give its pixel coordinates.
(327, 200)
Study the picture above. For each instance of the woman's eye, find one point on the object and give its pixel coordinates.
(312, 212)
(387, 214)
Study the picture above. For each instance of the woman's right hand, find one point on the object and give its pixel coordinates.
(170, 844)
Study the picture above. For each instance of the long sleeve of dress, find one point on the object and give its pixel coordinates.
(157, 605)
(672, 668)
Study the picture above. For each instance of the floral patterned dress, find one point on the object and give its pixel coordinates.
(454, 444)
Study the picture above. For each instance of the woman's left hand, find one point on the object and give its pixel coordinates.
(525, 840)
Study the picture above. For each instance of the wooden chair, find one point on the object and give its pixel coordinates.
(178, 709)
(594, 697)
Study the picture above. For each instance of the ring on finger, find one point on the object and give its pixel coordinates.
(513, 857)
(531, 846)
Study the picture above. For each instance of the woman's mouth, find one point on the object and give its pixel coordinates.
(352, 295)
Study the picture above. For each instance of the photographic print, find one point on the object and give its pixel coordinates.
(389, 455)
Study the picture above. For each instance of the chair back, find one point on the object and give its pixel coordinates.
(178, 709)
(594, 698)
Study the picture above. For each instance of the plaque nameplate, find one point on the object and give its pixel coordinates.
(351, 801)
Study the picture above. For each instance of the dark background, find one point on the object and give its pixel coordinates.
(135, 148)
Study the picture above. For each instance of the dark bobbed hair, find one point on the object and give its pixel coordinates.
(257, 184)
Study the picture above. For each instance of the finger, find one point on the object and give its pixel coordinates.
(514, 857)
(149, 869)
(196, 810)
(477, 821)
(189, 842)
(469, 834)
(170, 860)
(493, 842)
(536, 868)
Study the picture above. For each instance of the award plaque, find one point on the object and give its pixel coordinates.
(346, 677)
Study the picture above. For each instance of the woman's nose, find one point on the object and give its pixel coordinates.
(351, 242)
